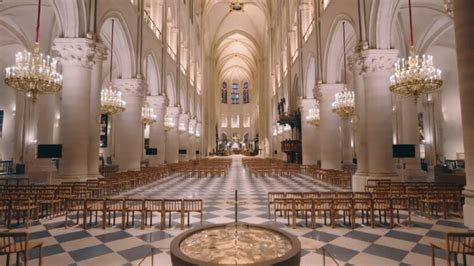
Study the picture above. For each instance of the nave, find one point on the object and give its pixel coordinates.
(114, 246)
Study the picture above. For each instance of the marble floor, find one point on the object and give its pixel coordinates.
(362, 246)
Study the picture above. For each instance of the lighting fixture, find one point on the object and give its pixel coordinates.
(286, 128)
(416, 75)
(148, 115)
(344, 105)
(34, 73)
(111, 99)
(313, 117)
(169, 123)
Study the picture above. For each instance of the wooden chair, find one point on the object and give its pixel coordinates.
(305, 206)
(26, 207)
(151, 206)
(5, 210)
(271, 199)
(192, 205)
(325, 206)
(382, 205)
(344, 205)
(131, 206)
(16, 243)
(454, 244)
(111, 206)
(401, 203)
(364, 205)
(75, 205)
(286, 206)
(170, 206)
(92, 208)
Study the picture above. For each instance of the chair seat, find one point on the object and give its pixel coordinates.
(457, 247)
(17, 247)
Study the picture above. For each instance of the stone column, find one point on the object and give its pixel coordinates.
(94, 126)
(199, 141)
(463, 21)
(360, 125)
(310, 135)
(192, 140)
(172, 137)
(46, 118)
(346, 128)
(183, 136)
(410, 135)
(379, 66)
(157, 130)
(430, 132)
(128, 125)
(329, 128)
(76, 58)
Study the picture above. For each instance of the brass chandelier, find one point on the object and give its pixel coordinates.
(111, 99)
(148, 115)
(34, 73)
(344, 105)
(416, 75)
(313, 118)
(169, 122)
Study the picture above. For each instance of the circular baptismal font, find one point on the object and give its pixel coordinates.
(235, 244)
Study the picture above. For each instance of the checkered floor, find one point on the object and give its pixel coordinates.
(362, 246)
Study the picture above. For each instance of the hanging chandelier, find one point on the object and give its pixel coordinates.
(313, 117)
(286, 128)
(275, 131)
(197, 133)
(416, 75)
(280, 129)
(169, 123)
(148, 115)
(182, 127)
(191, 127)
(34, 73)
(111, 99)
(344, 105)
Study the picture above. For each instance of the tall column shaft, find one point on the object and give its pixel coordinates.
(76, 59)
(184, 137)
(172, 137)
(310, 135)
(329, 128)
(157, 130)
(94, 127)
(346, 146)
(360, 125)
(379, 67)
(463, 21)
(128, 125)
(410, 135)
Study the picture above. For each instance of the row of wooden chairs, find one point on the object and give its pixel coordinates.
(351, 202)
(334, 177)
(259, 167)
(127, 207)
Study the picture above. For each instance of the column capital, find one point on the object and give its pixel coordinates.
(75, 51)
(157, 102)
(307, 104)
(378, 61)
(327, 91)
(100, 52)
(173, 111)
(130, 87)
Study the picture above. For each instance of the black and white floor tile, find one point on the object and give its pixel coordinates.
(362, 246)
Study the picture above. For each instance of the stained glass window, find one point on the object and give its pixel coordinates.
(224, 92)
(235, 93)
(246, 93)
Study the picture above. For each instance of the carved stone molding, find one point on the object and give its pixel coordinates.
(130, 87)
(379, 61)
(328, 91)
(306, 104)
(100, 53)
(173, 111)
(157, 102)
(75, 51)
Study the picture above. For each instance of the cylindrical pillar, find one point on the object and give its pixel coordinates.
(172, 136)
(329, 128)
(410, 135)
(128, 126)
(463, 21)
(157, 130)
(310, 135)
(379, 66)
(183, 136)
(360, 126)
(346, 146)
(94, 127)
(75, 56)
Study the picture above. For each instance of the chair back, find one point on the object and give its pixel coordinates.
(13, 242)
(460, 242)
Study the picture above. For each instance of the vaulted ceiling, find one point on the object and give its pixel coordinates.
(235, 38)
